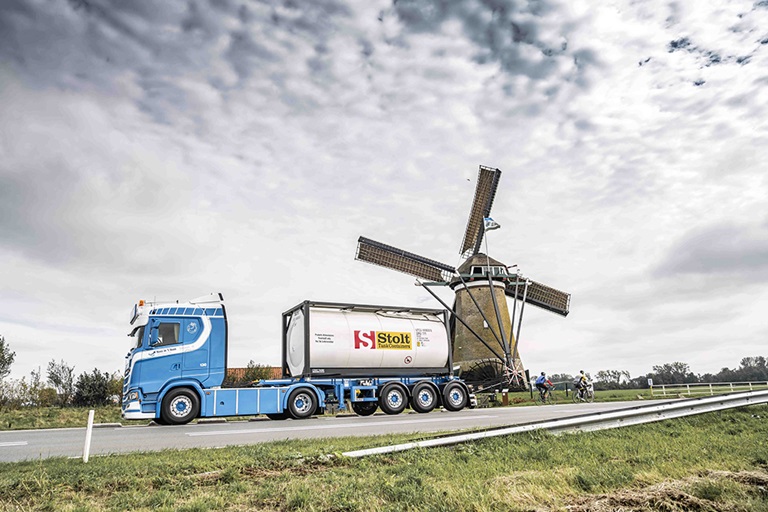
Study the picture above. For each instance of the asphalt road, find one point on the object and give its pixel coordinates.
(20, 445)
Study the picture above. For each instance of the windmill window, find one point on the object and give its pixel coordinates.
(481, 271)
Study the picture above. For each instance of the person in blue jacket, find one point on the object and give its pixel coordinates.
(543, 384)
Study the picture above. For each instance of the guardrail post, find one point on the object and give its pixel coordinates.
(731, 386)
(711, 391)
(688, 389)
(88, 431)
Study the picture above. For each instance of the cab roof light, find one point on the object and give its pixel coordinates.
(141, 302)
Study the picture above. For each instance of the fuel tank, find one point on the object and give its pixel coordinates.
(352, 340)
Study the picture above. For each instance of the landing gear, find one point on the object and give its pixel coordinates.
(364, 408)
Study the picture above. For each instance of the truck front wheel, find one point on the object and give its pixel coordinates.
(302, 403)
(180, 406)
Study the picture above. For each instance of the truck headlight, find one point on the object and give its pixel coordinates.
(133, 395)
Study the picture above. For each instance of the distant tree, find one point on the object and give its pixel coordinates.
(6, 358)
(256, 371)
(561, 377)
(611, 379)
(62, 377)
(752, 369)
(673, 373)
(92, 389)
(640, 382)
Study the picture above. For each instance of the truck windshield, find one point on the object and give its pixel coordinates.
(136, 336)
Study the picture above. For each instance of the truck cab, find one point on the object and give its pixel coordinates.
(173, 346)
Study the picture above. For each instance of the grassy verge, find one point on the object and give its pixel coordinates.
(717, 461)
(57, 417)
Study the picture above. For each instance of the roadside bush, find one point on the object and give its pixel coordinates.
(13, 393)
(47, 397)
(61, 376)
(253, 372)
(115, 386)
(92, 389)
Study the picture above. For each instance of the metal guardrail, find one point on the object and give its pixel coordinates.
(705, 388)
(595, 421)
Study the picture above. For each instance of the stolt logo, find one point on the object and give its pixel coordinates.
(383, 340)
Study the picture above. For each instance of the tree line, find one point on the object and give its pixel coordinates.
(60, 387)
(750, 369)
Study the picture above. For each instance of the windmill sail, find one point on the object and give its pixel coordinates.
(485, 191)
(402, 261)
(542, 296)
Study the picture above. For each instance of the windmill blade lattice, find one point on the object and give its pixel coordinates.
(542, 296)
(485, 191)
(402, 261)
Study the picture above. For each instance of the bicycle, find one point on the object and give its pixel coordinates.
(546, 396)
(585, 394)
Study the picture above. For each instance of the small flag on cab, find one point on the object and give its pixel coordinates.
(489, 224)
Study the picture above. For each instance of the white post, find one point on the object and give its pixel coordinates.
(88, 430)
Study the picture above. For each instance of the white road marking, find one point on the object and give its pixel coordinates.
(13, 443)
(334, 426)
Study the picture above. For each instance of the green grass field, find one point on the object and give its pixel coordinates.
(711, 462)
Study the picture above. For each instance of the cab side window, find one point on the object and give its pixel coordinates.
(168, 334)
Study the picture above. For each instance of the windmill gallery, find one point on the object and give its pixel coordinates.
(484, 339)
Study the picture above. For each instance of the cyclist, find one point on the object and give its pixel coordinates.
(581, 384)
(543, 384)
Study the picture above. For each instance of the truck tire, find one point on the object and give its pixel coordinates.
(393, 398)
(424, 397)
(180, 406)
(302, 403)
(364, 408)
(455, 396)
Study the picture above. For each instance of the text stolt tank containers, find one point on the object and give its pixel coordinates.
(371, 340)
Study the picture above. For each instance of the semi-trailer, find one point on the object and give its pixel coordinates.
(334, 356)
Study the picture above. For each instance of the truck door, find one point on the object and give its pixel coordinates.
(162, 359)
(195, 361)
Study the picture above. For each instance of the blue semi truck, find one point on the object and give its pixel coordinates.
(334, 356)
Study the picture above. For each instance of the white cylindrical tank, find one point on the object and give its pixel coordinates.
(349, 340)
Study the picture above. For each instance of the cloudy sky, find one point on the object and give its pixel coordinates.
(168, 150)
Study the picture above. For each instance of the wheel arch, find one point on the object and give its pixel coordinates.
(319, 394)
(190, 384)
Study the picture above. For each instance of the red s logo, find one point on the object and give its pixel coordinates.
(365, 339)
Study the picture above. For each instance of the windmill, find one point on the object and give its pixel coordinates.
(484, 344)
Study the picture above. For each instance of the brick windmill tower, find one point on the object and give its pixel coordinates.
(484, 344)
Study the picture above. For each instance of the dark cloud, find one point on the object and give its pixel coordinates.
(524, 38)
(721, 251)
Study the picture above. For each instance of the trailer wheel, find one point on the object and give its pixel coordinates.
(454, 396)
(423, 397)
(393, 398)
(302, 403)
(180, 406)
(364, 408)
